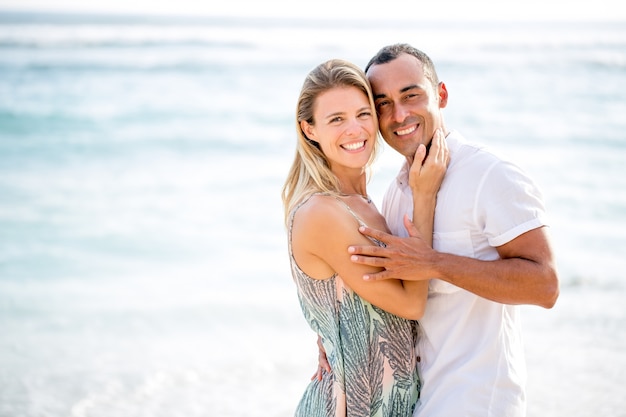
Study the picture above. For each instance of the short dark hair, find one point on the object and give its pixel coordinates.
(390, 52)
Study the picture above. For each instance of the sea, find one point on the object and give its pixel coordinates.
(143, 257)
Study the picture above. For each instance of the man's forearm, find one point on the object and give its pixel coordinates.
(506, 281)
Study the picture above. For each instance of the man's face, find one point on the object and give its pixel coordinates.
(408, 105)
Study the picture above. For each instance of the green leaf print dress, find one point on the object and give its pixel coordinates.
(371, 352)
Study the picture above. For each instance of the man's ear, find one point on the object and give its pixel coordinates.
(443, 95)
(309, 130)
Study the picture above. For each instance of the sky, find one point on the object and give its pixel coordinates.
(361, 9)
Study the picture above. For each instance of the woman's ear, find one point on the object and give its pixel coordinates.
(309, 130)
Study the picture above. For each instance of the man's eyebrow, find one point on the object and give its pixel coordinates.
(410, 87)
(402, 90)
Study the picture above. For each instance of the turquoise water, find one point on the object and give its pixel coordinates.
(143, 267)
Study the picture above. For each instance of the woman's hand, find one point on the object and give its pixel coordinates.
(427, 171)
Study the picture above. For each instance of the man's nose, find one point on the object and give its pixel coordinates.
(399, 113)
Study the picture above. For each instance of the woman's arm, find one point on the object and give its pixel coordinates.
(425, 177)
(322, 230)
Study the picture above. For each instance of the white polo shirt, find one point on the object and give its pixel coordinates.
(470, 348)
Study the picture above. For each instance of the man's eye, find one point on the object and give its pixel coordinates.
(383, 107)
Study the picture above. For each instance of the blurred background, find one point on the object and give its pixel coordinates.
(143, 263)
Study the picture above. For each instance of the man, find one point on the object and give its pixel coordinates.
(490, 251)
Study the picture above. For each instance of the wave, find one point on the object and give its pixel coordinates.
(77, 43)
(88, 30)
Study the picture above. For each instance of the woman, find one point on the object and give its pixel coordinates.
(367, 329)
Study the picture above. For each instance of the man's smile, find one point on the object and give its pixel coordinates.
(406, 131)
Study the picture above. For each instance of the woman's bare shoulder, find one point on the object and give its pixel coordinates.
(320, 210)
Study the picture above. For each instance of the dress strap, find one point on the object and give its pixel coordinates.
(361, 222)
(358, 219)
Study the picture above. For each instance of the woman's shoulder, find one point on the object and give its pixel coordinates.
(320, 209)
(321, 229)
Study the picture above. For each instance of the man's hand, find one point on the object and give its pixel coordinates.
(322, 361)
(406, 258)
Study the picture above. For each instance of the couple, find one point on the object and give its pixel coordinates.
(365, 278)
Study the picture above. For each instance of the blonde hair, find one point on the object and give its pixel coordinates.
(310, 171)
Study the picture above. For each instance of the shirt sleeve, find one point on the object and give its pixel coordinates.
(509, 203)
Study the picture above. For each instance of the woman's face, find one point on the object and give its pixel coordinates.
(345, 127)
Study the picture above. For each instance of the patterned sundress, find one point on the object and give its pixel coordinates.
(371, 352)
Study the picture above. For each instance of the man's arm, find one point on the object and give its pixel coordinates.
(525, 274)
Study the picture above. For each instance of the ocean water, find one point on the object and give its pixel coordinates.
(143, 266)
